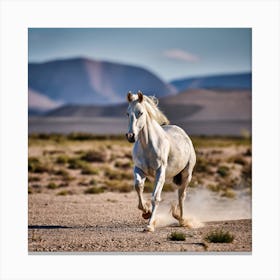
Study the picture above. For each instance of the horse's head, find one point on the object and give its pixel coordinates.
(136, 115)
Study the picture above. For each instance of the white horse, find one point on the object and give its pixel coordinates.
(161, 151)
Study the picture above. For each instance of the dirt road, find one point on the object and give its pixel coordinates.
(111, 222)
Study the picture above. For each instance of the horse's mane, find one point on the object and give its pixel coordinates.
(151, 105)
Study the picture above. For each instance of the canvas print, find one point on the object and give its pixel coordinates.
(139, 140)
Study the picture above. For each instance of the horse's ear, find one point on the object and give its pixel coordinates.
(129, 96)
(140, 96)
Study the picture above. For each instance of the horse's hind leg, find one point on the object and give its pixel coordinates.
(186, 176)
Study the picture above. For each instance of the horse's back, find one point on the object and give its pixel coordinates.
(176, 134)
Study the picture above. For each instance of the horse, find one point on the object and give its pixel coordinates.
(161, 151)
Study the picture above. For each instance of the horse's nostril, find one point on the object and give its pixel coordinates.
(130, 137)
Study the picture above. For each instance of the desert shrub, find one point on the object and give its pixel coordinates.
(65, 192)
(52, 186)
(76, 163)
(89, 170)
(123, 164)
(248, 153)
(83, 183)
(247, 175)
(214, 187)
(35, 166)
(229, 193)
(128, 155)
(30, 190)
(201, 165)
(177, 236)
(36, 186)
(61, 172)
(238, 160)
(92, 182)
(247, 171)
(94, 190)
(95, 156)
(62, 159)
(34, 179)
(223, 171)
(64, 174)
(219, 236)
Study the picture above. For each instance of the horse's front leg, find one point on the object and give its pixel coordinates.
(156, 197)
(139, 180)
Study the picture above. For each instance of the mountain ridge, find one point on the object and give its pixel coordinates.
(86, 81)
(219, 81)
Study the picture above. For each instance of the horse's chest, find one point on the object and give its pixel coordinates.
(147, 159)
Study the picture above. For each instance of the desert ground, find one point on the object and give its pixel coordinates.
(81, 198)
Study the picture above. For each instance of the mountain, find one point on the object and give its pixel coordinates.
(86, 81)
(227, 81)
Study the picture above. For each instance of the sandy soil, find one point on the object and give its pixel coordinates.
(111, 222)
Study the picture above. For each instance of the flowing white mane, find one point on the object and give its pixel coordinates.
(151, 105)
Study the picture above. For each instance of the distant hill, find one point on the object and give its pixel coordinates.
(229, 81)
(86, 81)
(214, 104)
(173, 111)
(194, 104)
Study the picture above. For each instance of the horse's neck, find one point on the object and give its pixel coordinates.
(150, 133)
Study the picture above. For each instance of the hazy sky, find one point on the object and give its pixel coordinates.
(167, 52)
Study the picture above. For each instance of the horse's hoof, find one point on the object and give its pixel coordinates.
(149, 229)
(184, 223)
(147, 215)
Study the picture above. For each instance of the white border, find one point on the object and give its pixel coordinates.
(262, 16)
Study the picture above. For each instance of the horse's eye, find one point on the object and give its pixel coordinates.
(140, 114)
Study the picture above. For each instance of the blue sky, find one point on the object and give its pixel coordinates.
(170, 53)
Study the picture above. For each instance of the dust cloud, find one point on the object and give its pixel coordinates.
(202, 205)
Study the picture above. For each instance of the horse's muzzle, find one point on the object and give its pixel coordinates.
(130, 137)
